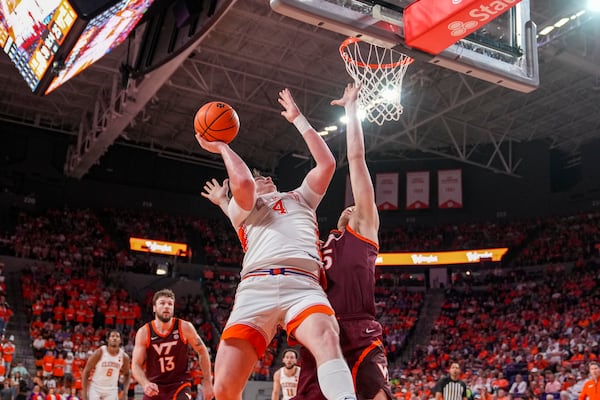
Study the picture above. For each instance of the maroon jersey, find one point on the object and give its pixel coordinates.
(349, 261)
(167, 355)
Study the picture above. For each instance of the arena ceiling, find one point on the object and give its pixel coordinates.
(253, 52)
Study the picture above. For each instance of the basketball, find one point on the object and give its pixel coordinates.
(217, 121)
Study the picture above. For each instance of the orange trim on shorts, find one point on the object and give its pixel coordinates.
(361, 358)
(295, 323)
(245, 332)
(361, 237)
(180, 388)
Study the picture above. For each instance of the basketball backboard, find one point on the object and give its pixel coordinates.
(504, 51)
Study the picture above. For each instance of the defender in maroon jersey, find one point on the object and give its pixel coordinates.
(160, 356)
(349, 259)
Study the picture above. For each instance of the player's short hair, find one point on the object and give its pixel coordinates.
(163, 293)
(596, 363)
(113, 330)
(290, 350)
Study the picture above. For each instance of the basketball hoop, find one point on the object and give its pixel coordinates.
(380, 71)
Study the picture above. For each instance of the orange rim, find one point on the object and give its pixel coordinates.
(351, 40)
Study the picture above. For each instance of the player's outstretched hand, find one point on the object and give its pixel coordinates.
(215, 192)
(349, 97)
(212, 147)
(287, 101)
(151, 389)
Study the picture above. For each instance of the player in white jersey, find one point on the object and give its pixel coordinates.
(281, 268)
(108, 363)
(285, 379)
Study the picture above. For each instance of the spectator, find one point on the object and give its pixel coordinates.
(591, 388)
(6, 393)
(8, 351)
(553, 386)
(20, 369)
(518, 388)
(36, 393)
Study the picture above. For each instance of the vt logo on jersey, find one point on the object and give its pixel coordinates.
(164, 348)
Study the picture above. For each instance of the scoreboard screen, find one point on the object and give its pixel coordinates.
(32, 32)
(51, 41)
(101, 35)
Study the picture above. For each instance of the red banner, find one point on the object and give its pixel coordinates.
(435, 25)
(386, 194)
(417, 190)
(450, 188)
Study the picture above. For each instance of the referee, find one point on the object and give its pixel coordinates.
(451, 387)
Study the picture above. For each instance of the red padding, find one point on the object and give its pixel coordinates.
(434, 25)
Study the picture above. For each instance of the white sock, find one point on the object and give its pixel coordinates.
(335, 380)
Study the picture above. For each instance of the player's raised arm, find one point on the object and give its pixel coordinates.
(241, 182)
(319, 177)
(366, 220)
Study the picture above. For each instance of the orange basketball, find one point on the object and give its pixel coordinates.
(217, 121)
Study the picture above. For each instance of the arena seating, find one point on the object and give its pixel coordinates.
(537, 314)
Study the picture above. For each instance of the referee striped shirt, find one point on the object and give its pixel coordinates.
(451, 389)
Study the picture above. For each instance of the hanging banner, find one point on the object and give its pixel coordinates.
(349, 198)
(386, 195)
(417, 190)
(450, 188)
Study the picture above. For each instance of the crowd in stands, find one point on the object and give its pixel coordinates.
(11, 370)
(544, 331)
(562, 239)
(214, 241)
(456, 236)
(71, 310)
(397, 309)
(508, 330)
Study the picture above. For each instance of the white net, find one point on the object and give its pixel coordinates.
(380, 71)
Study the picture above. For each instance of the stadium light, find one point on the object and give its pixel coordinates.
(594, 5)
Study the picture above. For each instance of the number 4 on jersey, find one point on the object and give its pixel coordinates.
(279, 207)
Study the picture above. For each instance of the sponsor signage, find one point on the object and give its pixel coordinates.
(434, 25)
(441, 257)
(158, 247)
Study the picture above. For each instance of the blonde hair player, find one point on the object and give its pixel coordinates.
(281, 268)
(160, 356)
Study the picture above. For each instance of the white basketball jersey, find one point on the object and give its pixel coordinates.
(282, 231)
(107, 371)
(289, 384)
